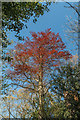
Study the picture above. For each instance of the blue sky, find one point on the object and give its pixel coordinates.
(54, 19)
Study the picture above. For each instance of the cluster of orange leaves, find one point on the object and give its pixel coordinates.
(44, 48)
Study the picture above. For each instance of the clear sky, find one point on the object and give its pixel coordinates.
(54, 19)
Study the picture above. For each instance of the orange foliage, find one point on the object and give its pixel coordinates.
(45, 48)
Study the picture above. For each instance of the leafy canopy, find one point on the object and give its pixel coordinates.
(15, 15)
(44, 48)
(67, 85)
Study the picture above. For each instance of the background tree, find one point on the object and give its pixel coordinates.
(71, 32)
(16, 104)
(15, 15)
(67, 86)
(75, 28)
(22, 104)
(33, 62)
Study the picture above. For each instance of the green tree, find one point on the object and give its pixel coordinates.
(15, 16)
(66, 84)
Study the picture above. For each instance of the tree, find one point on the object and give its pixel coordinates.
(22, 104)
(67, 86)
(76, 29)
(17, 104)
(32, 63)
(71, 31)
(15, 15)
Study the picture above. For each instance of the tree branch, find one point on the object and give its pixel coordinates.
(24, 87)
(73, 8)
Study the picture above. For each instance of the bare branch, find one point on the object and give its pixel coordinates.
(73, 8)
(24, 87)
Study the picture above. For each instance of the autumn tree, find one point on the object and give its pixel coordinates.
(33, 63)
(17, 104)
(22, 104)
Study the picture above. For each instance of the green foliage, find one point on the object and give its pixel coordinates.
(15, 15)
(67, 82)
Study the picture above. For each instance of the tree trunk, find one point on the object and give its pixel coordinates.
(41, 98)
(40, 101)
(9, 110)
